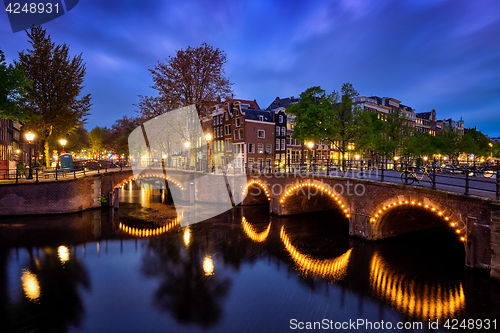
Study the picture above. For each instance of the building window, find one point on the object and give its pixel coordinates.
(235, 134)
(260, 148)
(229, 146)
(237, 112)
(241, 134)
(238, 122)
(214, 120)
(227, 129)
(283, 144)
(227, 115)
(261, 118)
(277, 130)
(261, 134)
(283, 131)
(278, 144)
(268, 162)
(251, 147)
(269, 148)
(261, 162)
(251, 163)
(281, 119)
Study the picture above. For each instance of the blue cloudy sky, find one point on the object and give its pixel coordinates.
(430, 54)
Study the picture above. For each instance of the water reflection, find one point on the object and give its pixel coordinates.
(330, 269)
(31, 286)
(417, 299)
(252, 233)
(149, 232)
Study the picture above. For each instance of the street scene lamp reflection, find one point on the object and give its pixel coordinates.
(30, 137)
(208, 266)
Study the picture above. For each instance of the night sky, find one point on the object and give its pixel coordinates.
(442, 55)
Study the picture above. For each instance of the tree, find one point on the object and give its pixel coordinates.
(13, 84)
(193, 76)
(418, 144)
(78, 140)
(98, 140)
(474, 142)
(120, 131)
(333, 119)
(56, 84)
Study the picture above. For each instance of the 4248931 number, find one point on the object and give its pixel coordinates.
(32, 8)
(470, 324)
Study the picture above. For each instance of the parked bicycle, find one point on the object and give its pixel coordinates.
(409, 176)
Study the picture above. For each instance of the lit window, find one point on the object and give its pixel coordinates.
(281, 119)
(269, 148)
(260, 148)
(278, 144)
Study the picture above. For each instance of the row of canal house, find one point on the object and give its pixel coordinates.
(242, 131)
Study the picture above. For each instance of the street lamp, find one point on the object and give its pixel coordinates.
(63, 143)
(29, 137)
(208, 138)
(310, 144)
(491, 150)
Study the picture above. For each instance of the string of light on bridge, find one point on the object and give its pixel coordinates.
(385, 209)
(414, 299)
(253, 234)
(322, 188)
(332, 269)
(258, 183)
(133, 178)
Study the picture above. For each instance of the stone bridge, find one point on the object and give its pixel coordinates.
(377, 210)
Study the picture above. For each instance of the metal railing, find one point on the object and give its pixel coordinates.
(57, 173)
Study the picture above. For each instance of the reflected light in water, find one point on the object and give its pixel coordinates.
(208, 266)
(63, 253)
(31, 285)
(415, 299)
(332, 269)
(149, 232)
(252, 233)
(187, 236)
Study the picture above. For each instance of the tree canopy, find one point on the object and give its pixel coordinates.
(13, 84)
(56, 84)
(194, 76)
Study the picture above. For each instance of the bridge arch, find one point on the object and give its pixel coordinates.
(154, 176)
(292, 190)
(262, 195)
(378, 217)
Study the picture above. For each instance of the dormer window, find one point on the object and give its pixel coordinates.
(281, 119)
(261, 118)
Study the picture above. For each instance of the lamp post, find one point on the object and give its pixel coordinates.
(491, 150)
(187, 144)
(310, 144)
(63, 143)
(208, 138)
(29, 137)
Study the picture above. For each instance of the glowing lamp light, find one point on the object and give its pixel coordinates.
(63, 253)
(208, 136)
(187, 144)
(63, 142)
(310, 144)
(356, 156)
(208, 266)
(30, 136)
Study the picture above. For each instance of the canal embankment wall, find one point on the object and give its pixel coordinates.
(59, 197)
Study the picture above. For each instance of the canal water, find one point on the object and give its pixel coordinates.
(142, 269)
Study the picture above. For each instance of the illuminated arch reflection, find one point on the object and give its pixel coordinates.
(149, 232)
(416, 299)
(253, 234)
(330, 269)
